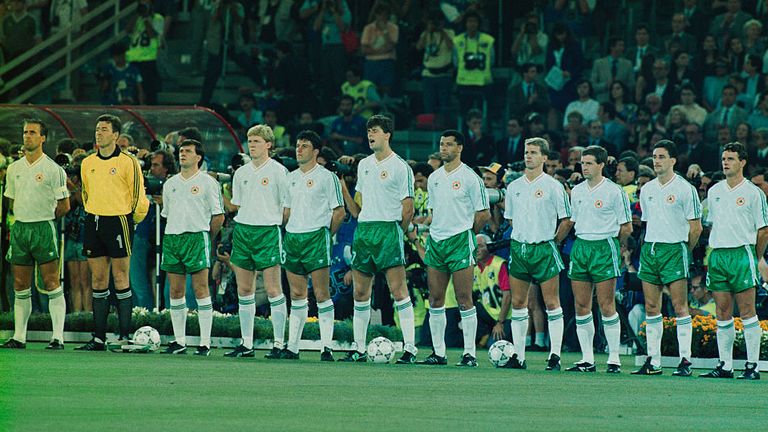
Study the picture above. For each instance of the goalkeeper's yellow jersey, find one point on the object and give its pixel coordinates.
(114, 185)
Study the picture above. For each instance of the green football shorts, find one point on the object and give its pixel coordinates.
(186, 253)
(307, 252)
(452, 254)
(256, 247)
(594, 260)
(534, 262)
(377, 246)
(732, 269)
(33, 242)
(663, 263)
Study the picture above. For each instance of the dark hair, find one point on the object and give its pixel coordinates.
(526, 66)
(670, 146)
(630, 164)
(613, 41)
(472, 14)
(688, 86)
(609, 108)
(347, 97)
(458, 136)
(385, 123)
(119, 48)
(641, 26)
(756, 62)
(117, 125)
(553, 155)
(423, 168)
(198, 149)
(67, 145)
(587, 82)
(191, 133)
(738, 148)
(284, 47)
(729, 86)
(312, 137)
(37, 121)
(627, 94)
(355, 69)
(168, 162)
(328, 154)
(600, 154)
(474, 113)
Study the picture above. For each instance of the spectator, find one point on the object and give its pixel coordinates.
(474, 54)
(729, 114)
(530, 45)
(681, 72)
(249, 115)
(753, 82)
(564, 53)
(332, 18)
(699, 152)
(479, 145)
(754, 42)
(553, 162)
(528, 95)
(759, 117)
(615, 132)
(743, 135)
(611, 68)
(66, 12)
(270, 119)
(622, 102)
(695, 19)
(735, 54)
(642, 48)
(760, 151)
(378, 45)
(511, 148)
(595, 133)
(626, 177)
(714, 84)
(702, 302)
(20, 32)
(367, 100)
(585, 105)
(121, 82)
(491, 290)
(291, 79)
(675, 125)
(575, 132)
(77, 265)
(660, 86)
(348, 130)
(692, 111)
(435, 161)
(729, 24)
(421, 212)
(437, 44)
(686, 41)
(146, 31)
(125, 142)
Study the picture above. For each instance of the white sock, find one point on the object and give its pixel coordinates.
(437, 324)
(179, 320)
(556, 325)
(22, 307)
(57, 306)
(205, 320)
(296, 323)
(654, 329)
(684, 336)
(752, 336)
(540, 339)
(612, 329)
(360, 320)
(279, 311)
(404, 309)
(726, 333)
(246, 312)
(469, 328)
(585, 330)
(519, 326)
(326, 314)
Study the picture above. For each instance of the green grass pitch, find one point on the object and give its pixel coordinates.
(74, 391)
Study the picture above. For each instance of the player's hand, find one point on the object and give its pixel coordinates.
(346, 160)
(348, 278)
(498, 331)
(158, 199)
(223, 257)
(412, 235)
(693, 171)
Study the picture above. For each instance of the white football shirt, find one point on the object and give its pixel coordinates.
(454, 198)
(35, 188)
(383, 185)
(312, 197)
(736, 214)
(534, 207)
(188, 204)
(260, 193)
(668, 208)
(599, 212)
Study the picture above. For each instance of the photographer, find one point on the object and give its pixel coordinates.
(146, 31)
(437, 43)
(530, 45)
(162, 166)
(474, 57)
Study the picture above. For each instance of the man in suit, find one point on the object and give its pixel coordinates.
(696, 20)
(697, 151)
(613, 67)
(729, 24)
(595, 134)
(661, 86)
(529, 95)
(512, 147)
(686, 41)
(642, 47)
(729, 114)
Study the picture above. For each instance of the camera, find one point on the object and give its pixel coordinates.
(221, 177)
(63, 159)
(572, 183)
(153, 185)
(474, 61)
(225, 248)
(157, 145)
(495, 196)
(338, 168)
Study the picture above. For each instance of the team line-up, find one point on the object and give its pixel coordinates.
(309, 203)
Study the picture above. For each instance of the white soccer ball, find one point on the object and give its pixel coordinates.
(147, 336)
(500, 352)
(380, 350)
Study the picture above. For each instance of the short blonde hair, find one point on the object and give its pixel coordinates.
(540, 142)
(263, 131)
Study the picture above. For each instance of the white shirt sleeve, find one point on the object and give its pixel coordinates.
(236, 188)
(406, 190)
(214, 199)
(643, 206)
(761, 211)
(60, 190)
(166, 201)
(563, 205)
(693, 206)
(623, 212)
(575, 211)
(334, 193)
(10, 183)
(479, 195)
(429, 192)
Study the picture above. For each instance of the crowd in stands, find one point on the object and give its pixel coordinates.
(695, 73)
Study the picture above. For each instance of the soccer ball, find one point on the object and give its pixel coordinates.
(147, 336)
(500, 352)
(381, 350)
